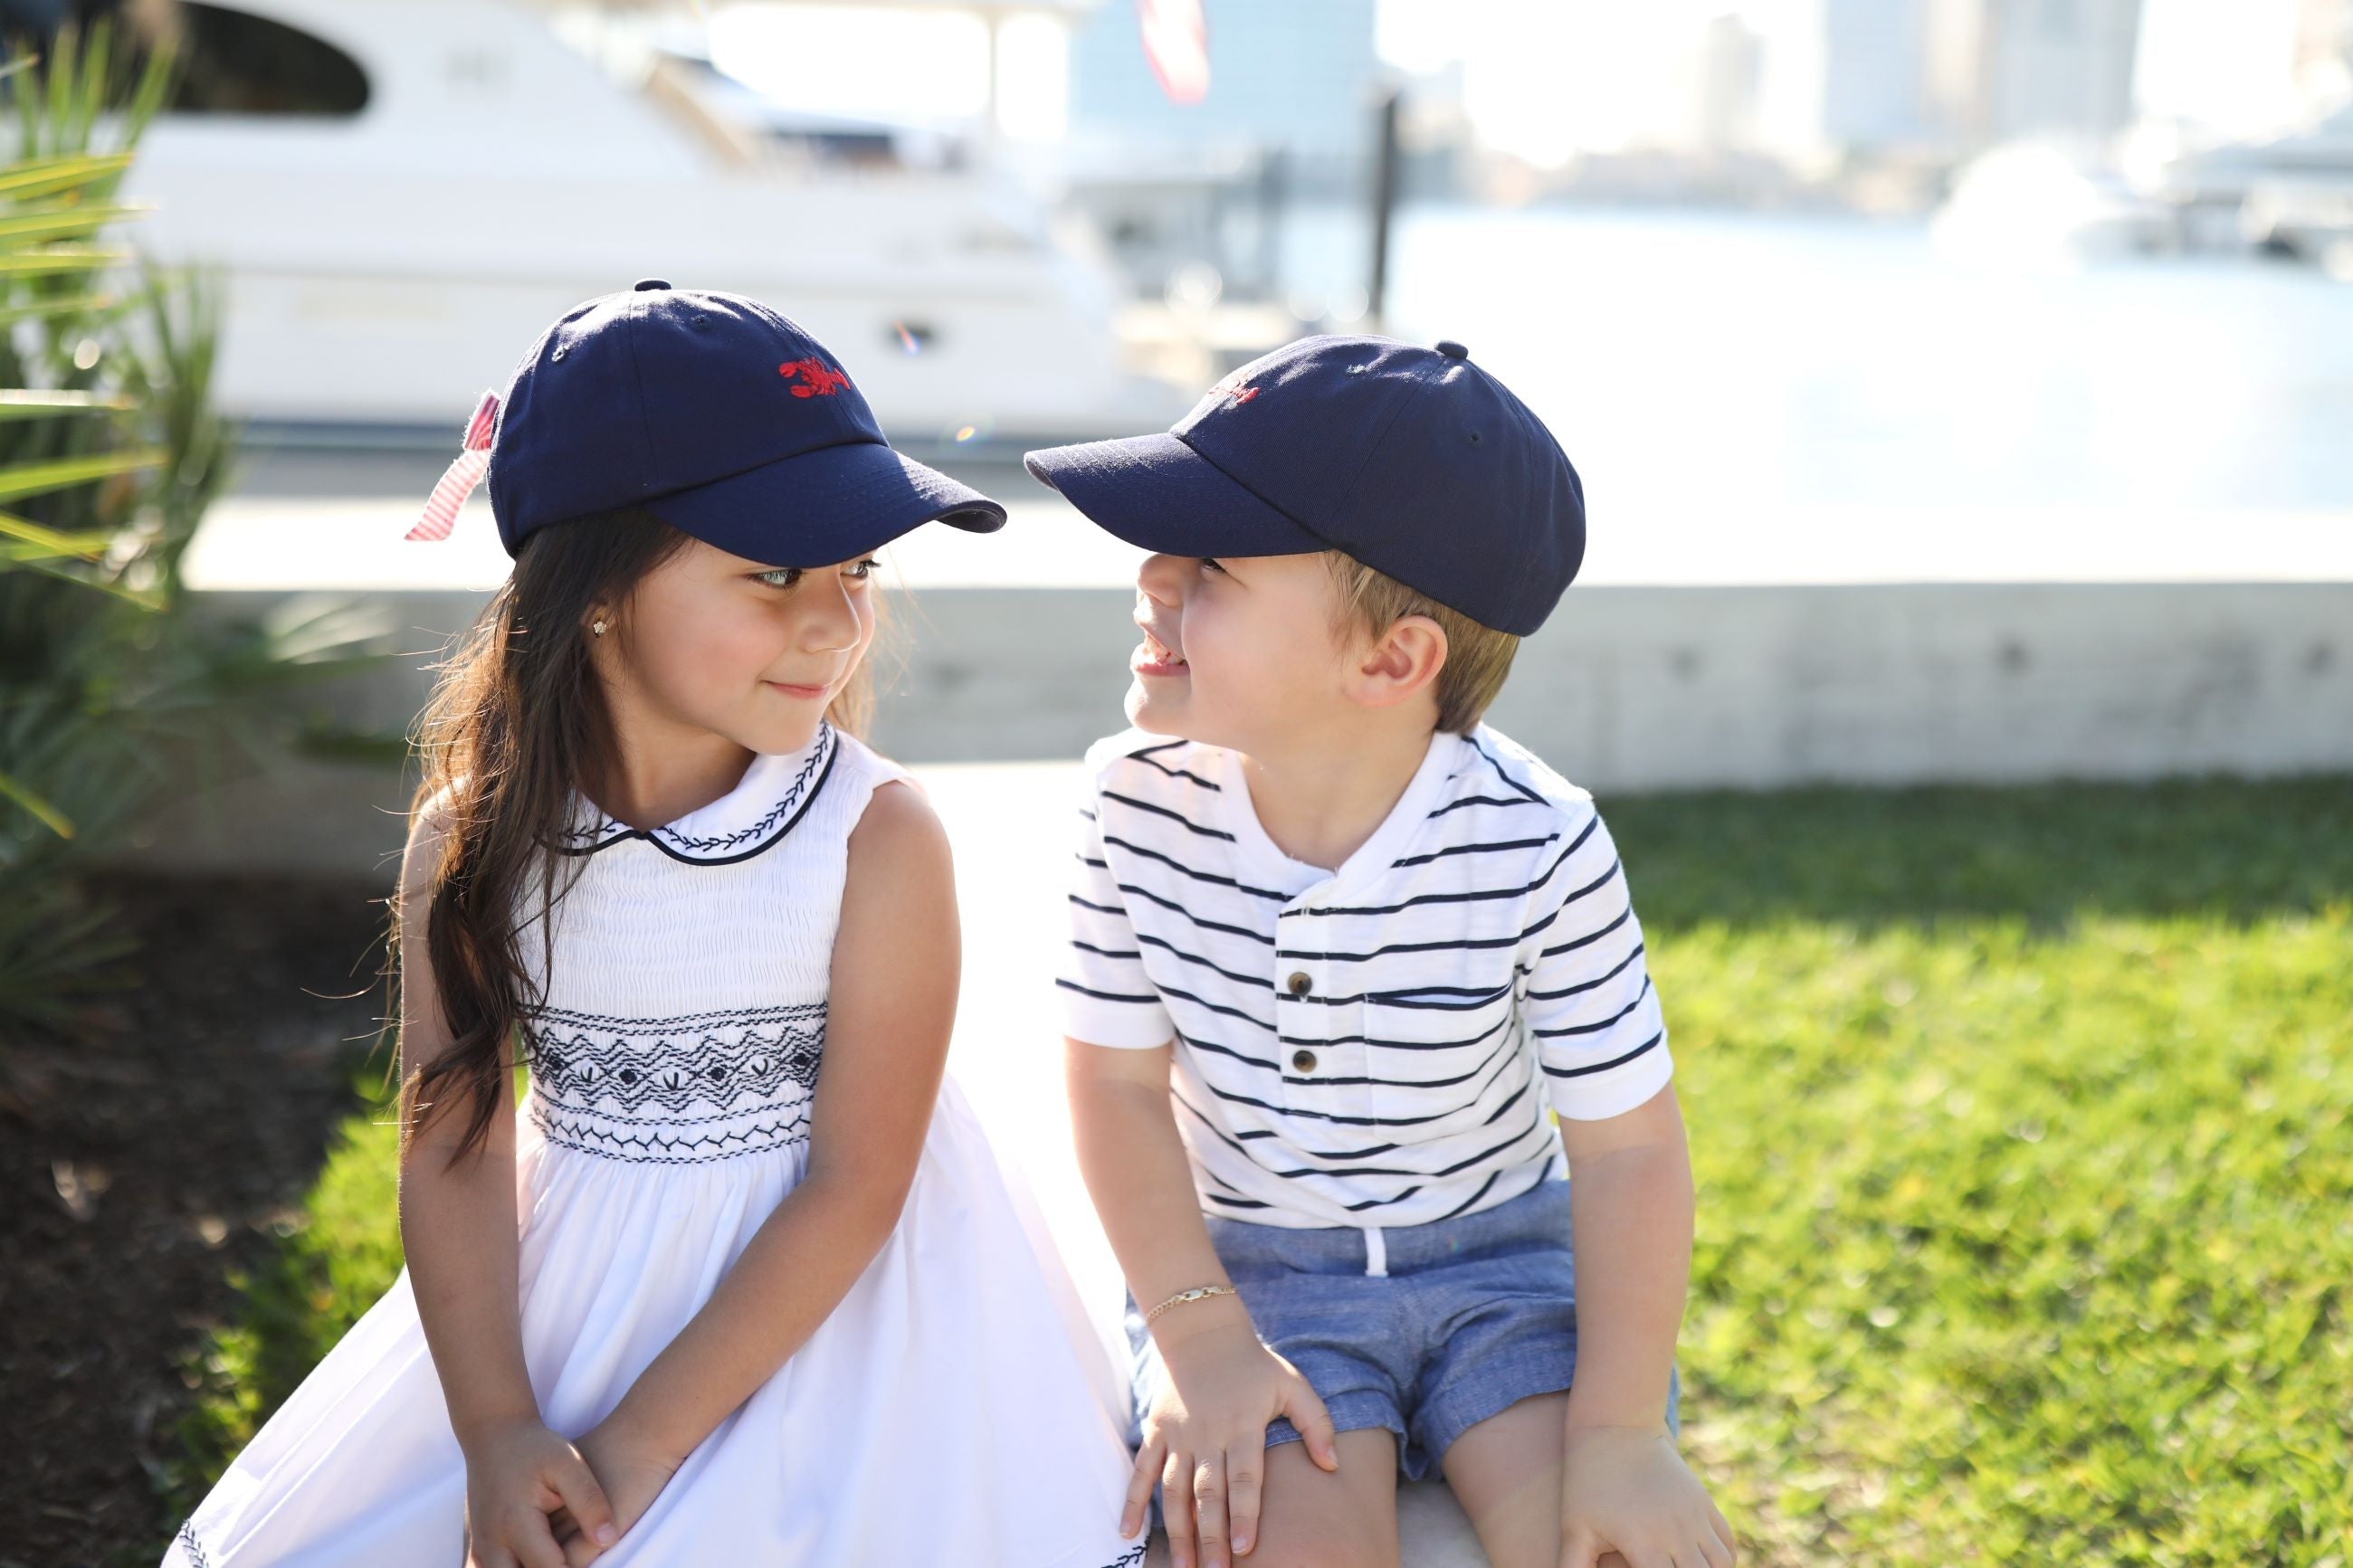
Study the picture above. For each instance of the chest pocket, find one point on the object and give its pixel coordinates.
(1444, 1060)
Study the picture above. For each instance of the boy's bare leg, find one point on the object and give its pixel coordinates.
(1313, 1517)
(1506, 1473)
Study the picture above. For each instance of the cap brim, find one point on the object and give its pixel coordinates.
(1159, 494)
(820, 507)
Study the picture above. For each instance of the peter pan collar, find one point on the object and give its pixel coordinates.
(768, 803)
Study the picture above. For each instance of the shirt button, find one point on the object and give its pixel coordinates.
(1303, 1061)
(1299, 984)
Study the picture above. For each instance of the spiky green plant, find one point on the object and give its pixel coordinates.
(110, 451)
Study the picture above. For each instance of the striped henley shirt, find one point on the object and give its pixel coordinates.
(1375, 1045)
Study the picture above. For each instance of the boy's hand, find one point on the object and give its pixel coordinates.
(518, 1475)
(1204, 1441)
(633, 1469)
(1627, 1491)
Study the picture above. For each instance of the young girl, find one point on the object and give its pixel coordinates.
(744, 1283)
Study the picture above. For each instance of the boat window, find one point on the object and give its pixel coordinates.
(236, 62)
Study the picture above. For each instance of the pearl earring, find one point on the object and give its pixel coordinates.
(598, 627)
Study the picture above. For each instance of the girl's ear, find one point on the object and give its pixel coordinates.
(1401, 663)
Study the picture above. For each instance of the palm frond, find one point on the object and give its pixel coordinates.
(48, 815)
(55, 177)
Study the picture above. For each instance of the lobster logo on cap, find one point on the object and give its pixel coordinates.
(818, 378)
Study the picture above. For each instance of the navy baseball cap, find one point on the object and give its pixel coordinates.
(718, 416)
(1412, 460)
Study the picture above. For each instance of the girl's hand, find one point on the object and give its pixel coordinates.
(1627, 1491)
(633, 1468)
(518, 1474)
(1204, 1441)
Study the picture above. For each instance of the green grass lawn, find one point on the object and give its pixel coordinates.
(2023, 1127)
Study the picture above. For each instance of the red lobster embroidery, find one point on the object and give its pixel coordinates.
(1232, 392)
(817, 379)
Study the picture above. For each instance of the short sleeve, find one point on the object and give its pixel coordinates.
(1589, 1005)
(1107, 999)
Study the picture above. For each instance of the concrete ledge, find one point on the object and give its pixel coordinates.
(1669, 688)
(1630, 688)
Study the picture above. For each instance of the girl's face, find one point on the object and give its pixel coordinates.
(713, 642)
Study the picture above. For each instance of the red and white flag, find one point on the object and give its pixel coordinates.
(1177, 43)
(458, 481)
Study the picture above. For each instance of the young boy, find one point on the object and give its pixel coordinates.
(1336, 947)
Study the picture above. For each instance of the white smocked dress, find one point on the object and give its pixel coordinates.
(951, 1410)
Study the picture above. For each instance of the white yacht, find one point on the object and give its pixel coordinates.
(404, 193)
(2290, 193)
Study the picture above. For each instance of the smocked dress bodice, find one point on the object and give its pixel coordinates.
(683, 1006)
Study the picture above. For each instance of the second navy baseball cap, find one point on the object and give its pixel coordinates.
(1413, 460)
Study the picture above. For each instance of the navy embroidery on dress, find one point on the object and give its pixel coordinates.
(776, 813)
(193, 1548)
(1130, 1558)
(718, 1059)
(723, 848)
(661, 1145)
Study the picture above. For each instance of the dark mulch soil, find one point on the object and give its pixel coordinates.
(143, 1161)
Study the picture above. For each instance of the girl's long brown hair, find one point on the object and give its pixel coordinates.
(517, 723)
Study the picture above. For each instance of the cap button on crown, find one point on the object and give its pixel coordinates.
(645, 283)
(1446, 346)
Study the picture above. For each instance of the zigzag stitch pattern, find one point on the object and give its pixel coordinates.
(661, 1149)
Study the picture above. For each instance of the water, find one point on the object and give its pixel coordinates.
(1700, 360)
(1749, 399)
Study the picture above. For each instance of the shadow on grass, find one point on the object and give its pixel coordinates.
(2231, 849)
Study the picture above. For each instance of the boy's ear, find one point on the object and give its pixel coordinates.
(1400, 664)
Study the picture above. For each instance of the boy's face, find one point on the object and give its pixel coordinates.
(1239, 652)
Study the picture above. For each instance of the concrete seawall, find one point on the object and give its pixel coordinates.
(1631, 688)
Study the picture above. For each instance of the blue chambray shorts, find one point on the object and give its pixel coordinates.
(1472, 1316)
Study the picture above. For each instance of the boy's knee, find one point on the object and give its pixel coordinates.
(1320, 1553)
(1313, 1519)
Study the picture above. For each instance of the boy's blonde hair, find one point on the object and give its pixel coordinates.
(1478, 657)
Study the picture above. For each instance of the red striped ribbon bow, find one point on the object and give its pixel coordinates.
(459, 479)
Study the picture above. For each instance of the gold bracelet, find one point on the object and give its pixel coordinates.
(1197, 1293)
